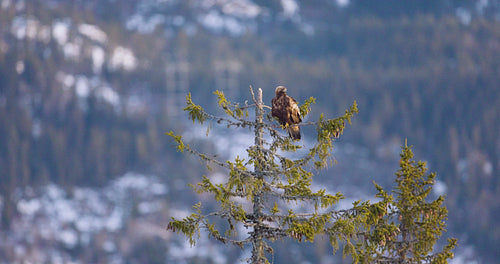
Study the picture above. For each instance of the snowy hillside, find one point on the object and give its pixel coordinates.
(89, 88)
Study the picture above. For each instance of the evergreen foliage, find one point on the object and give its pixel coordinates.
(400, 229)
(407, 227)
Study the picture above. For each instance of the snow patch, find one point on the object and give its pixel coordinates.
(19, 67)
(290, 8)
(67, 80)
(123, 58)
(60, 31)
(28, 207)
(82, 87)
(144, 24)
(481, 5)
(109, 95)
(135, 105)
(5, 4)
(88, 223)
(218, 178)
(212, 20)
(36, 128)
(179, 213)
(93, 32)
(232, 145)
(20, 5)
(157, 188)
(307, 29)
(68, 237)
(205, 249)
(98, 57)
(440, 188)
(72, 50)
(242, 9)
(464, 15)
(178, 21)
(109, 246)
(218, 23)
(18, 28)
(132, 181)
(342, 3)
(114, 221)
(466, 256)
(488, 168)
(29, 28)
(149, 207)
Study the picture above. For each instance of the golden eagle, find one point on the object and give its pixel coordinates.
(286, 110)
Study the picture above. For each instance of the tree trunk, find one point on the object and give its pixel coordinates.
(258, 255)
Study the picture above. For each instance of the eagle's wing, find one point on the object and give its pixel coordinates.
(275, 110)
(294, 111)
(280, 109)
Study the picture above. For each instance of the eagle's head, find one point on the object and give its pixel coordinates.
(280, 90)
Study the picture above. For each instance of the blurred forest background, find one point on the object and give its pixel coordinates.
(88, 89)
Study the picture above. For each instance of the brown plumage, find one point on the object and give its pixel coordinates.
(286, 110)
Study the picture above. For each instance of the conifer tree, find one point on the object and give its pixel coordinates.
(269, 180)
(410, 226)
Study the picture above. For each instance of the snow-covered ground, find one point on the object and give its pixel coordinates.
(55, 225)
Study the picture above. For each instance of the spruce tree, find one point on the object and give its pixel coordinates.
(410, 226)
(270, 179)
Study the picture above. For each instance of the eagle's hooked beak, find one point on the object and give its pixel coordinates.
(281, 88)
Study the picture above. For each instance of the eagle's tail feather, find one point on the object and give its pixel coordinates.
(294, 132)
